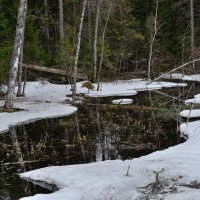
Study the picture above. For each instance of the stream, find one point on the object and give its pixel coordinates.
(98, 131)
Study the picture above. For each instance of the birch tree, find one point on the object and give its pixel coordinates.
(95, 38)
(78, 50)
(19, 91)
(14, 62)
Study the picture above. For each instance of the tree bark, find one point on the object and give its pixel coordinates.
(19, 91)
(95, 39)
(102, 48)
(152, 39)
(14, 62)
(192, 33)
(47, 17)
(78, 49)
(61, 20)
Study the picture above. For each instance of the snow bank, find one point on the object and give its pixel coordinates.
(46, 100)
(43, 100)
(122, 101)
(180, 76)
(117, 179)
(176, 169)
(126, 88)
(195, 113)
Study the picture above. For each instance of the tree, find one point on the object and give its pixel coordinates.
(152, 25)
(192, 32)
(14, 62)
(61, 21)
(102, 48)
(95, 38)
(78, 49)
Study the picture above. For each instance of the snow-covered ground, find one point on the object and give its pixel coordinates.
(180, 76)
(43, 100)
(168, 174)
(46, 100)
(128, 88)
(172, 174)
(194, 113)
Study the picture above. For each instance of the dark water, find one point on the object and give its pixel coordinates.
(94, 133)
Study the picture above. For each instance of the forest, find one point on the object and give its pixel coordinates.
(99, 99)
(125, 30)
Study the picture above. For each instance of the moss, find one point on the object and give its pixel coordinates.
(88, 85)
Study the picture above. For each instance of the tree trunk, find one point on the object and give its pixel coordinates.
(19, 91)
(61, 21)
(102, 48)
(78, 49)
(47, 17)
(152, 39)
(14, 62)
(89, 26)
(47, 26)
(192, 32)
(95, 39)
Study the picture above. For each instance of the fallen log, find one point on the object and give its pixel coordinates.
(53, 71)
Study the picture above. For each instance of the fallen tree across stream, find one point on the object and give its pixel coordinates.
(53, 71)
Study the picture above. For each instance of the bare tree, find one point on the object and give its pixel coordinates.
(102, 47)
(192, 33)
(61, 20)
(47, 26)
(153, 26)
(14, 62)
(78, 49)
(95, 39)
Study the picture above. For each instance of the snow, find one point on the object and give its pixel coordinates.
(110, 179)
(194, 113)
(127, 88)
(195, 100)
(43, 100)
(180, 76)
(46, 100)
(176, 169)
(122, 101)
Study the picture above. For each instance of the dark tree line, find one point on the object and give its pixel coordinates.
(150, 35)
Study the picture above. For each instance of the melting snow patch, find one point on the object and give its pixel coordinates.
(122, 101)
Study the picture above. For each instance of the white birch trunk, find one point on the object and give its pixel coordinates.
(14, 62)
(78, 49)
(19, 91)
(95, 39)
(61, 20)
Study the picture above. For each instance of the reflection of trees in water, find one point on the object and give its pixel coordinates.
(4, 194)
(94, 133)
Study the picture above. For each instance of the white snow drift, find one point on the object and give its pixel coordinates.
(176, 168)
